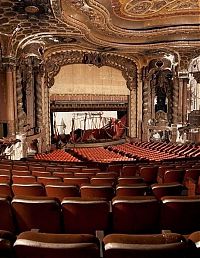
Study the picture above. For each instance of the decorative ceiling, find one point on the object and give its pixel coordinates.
(133, 27)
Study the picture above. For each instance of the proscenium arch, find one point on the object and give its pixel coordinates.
(56, 60)
(126, 65)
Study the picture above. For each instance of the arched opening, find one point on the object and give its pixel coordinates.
(88, 104)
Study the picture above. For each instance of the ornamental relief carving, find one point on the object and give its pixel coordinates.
(55, 61)
(140, 8)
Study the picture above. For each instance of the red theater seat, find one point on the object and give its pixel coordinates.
(128, 171)
(23, 179)
(5, 179)
(149, 174)
(170, 189)
(135, 215)
(43, 245)
(85, 215)
(97, 191)
(180, 214)
(6, 218)
(76, 180)
(130, 180)
(169, 245)
(40, 213)
(131, 190)
(172, 176)
(48, 180)
(5, 189)
(62, 190)
(34, 189)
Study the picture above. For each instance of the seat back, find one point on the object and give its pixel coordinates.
(85, 216)
(61, 190)
(42, 213)
(48, 180)
(130, 180)
(105, 191)
(23, 179)
(169, 245)
(76, 180)
(131, 190)
(21, 172)
(45, 245)
(128, 171)
(34, 189)
(172, 176)
(167, 189)
(139, 214)
(103, 180)
(149, 174)
(5, 189)
(180, 214)
(6, 218)
(5, 179)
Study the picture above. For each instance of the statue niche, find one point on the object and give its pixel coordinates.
(162, 85)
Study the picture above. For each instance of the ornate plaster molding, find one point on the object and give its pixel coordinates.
(56, 60)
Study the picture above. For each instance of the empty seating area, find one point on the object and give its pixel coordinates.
(57, 155)
(43, 223)
(100, 154)
(158, 150)
(53, 207)
(123, 215)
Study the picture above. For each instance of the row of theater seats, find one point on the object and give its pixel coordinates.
(188, 150)
(131, 215)
(184, 173)
(169, 177)
(156, 151)
(106, 191)
(57, 155)
(100, 154)
(45, 245)
(139, 152)
(151, 173)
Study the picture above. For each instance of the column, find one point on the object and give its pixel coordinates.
(132, 112)
(175, 99)
(10, 100)
(184, 101)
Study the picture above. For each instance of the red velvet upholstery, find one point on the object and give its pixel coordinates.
(43, 245)
(180, 214)
(169, 245)
(5, 189)
(131, 190)
(6, 218)
(85, 215)
(34, 189)
(62, 190)
(170, 189)
(42, 213)
(135, 215)
(130, 180)
(105, 191)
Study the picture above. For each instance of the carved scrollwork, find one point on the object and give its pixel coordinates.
(58, 59)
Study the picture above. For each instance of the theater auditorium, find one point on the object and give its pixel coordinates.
(99, 129)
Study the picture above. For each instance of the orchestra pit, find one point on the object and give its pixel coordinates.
(99, 129)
